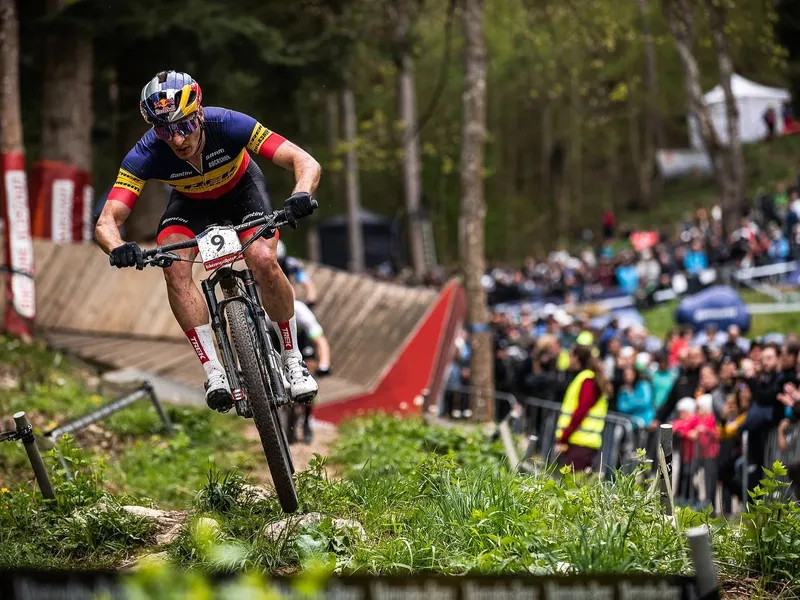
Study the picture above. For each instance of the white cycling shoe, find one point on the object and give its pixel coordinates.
(218, 391)
(302, 386)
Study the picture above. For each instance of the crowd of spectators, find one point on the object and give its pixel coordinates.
(712, 386)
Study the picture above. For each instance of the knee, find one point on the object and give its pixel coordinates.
(178, 276)
(263, 260)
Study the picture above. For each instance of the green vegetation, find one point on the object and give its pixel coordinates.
(139, 457)
(661, 319)
(408, 497)
(766, 165)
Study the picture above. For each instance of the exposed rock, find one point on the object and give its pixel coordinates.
(169, 521)
(254, 493)
(275, 531)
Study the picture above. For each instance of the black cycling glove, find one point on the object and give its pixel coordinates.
(298, 206)
(127, 255)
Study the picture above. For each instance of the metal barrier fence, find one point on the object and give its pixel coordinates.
(746, 471)
(538, 420)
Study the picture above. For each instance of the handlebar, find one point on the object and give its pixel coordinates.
(160, 255)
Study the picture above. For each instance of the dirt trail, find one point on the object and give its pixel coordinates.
(324, 436)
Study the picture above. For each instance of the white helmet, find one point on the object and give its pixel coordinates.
(281, 250)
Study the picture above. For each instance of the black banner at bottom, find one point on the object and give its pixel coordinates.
(63, 585)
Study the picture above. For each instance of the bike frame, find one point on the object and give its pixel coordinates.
(228, 279)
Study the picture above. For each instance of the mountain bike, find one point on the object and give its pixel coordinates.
(251, 362)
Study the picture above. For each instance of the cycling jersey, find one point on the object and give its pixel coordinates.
(228, 137)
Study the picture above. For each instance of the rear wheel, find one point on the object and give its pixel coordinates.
(259, 382)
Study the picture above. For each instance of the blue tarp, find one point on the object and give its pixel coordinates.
(719, 304)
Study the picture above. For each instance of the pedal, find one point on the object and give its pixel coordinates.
(242, 405)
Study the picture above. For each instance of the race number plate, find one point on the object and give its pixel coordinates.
(218, 246)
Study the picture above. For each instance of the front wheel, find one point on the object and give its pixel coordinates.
(259, 393)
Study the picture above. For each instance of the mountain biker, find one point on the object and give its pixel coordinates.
(202, 153)
(292, 268)
(317, 352)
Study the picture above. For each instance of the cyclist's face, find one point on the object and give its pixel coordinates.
(185, 146)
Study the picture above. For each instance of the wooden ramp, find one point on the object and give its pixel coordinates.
(120, 318)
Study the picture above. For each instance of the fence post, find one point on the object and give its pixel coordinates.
(162, 414)
(25, 432)
(745, 469)
(665, 466)
(705, 571)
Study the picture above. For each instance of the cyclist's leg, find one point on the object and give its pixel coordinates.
(250, 201)
(181, 221)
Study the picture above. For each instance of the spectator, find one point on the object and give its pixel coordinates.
(627, 275)
(734, 347)
(608, 223)
(696, 259)
(707, 436)
(727, 375)
(778, 251)
(710, 336)
(664, 378)
(682, 427)
(685, 386)
(635, 396)
(709, 385)
(583, 412)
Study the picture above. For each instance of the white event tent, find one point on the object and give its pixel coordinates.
(752, 100)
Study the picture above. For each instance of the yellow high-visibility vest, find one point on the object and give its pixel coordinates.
(590, 431)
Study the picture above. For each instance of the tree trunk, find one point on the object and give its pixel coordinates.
(333, 138)
(67, 112)
(734, 178)
(10, 111)
(473, 206)
(412, 177)
(655, 124)
(681, 24)
(355, 236)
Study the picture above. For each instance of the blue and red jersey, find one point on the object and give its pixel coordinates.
(229, 135)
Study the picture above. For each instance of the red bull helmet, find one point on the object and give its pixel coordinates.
(169, 97)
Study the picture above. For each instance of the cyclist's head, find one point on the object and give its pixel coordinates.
(281, 250)
(170, 102)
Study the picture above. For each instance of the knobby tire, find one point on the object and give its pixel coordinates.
(259, 386)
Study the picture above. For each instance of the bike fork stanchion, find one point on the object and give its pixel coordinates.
(162, 414)
(705, 571)
(25, 433)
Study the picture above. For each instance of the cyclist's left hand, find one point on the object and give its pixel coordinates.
(297, 206)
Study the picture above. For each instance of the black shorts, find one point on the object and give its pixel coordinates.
(247, 200)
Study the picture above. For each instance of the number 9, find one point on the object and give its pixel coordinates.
(218, 241)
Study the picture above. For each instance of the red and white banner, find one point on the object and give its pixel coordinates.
(61, 197)
(19, 247)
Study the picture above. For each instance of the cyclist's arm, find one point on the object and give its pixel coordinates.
(245, 129)
(127, 187)
(106, 231)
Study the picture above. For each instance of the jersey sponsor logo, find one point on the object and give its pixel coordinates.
(215, 153)
(129, 181)
(165, 105)
(181, 174)
(258, 137)
(209, 181)
(219, 161)
(173, 219)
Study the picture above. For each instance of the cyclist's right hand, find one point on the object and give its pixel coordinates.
(127, 255)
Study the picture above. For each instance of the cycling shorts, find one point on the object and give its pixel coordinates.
(247, 200)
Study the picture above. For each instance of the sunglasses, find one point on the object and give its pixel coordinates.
(184, 128)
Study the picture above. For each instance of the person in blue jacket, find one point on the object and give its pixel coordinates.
(635, 397)
(696, 259)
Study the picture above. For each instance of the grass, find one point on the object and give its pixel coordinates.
(428, 499)
(765, 163)
(140, 459)
(661, 319)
